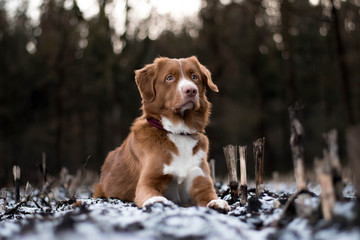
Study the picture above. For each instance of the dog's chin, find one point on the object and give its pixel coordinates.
(190, 105)
(187, 106)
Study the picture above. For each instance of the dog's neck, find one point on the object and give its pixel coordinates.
(156, 123)
(159, 125)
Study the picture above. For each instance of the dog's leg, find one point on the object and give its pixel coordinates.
(98, 191)
(203, 194)
(150, 189)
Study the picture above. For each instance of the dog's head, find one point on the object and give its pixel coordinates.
(175, 89)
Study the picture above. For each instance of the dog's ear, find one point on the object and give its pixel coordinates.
(205, 75)
(145, 80)
(207, 78)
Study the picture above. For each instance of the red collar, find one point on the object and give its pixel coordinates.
(156, 123)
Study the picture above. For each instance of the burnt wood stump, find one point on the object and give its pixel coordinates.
(297, 144)
(258, 152)
(331, 156)
(16, 173)
(231, 159)
(353, 151)
(243, 176)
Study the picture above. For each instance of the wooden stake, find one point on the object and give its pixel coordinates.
(291, 201)
(327, 188)
(275, 176)
(230, 156)
(243, 177)
(16, 173)
(331, 142)
(258, 152)
(43, 168)
(332, 157)
(242, 154)
(65, 178)
(212, 169)
(353, 151)
(80, 177)
(296, 143)
(28, 189)
(3, 195)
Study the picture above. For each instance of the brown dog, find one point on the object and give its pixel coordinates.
(165, 154)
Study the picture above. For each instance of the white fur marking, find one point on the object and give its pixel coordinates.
(218, 203)
(182, 73)
(185, 164)
(155, 199)
(184, 83)
(195, 172)
(176, 128)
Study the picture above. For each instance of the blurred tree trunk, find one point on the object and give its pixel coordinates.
(289, 88)
(4, 76)
(290, 76)
(5, 166)
(255, 69)
(15, 86)
(260, 93)
(57, 46)
(101, 136)
(212, 37)
(59, 128)
(256, 74)
(59, 107)
(341, 61)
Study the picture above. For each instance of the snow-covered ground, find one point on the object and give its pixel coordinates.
(114, 219)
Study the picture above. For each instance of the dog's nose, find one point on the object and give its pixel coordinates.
(190, 91)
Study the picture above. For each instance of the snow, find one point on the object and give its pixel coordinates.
(345, 210)
(113, 219)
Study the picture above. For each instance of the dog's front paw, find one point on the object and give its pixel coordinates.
(156, 199)
(219, 205)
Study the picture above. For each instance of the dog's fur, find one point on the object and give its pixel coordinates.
(169, 162)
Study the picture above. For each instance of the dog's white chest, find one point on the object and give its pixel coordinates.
(185, 165)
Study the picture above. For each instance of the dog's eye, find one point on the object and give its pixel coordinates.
(194, 77)
(170, 78)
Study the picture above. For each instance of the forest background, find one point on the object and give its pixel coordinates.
(67, 84)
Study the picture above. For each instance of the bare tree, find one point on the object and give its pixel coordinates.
(341, 61)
